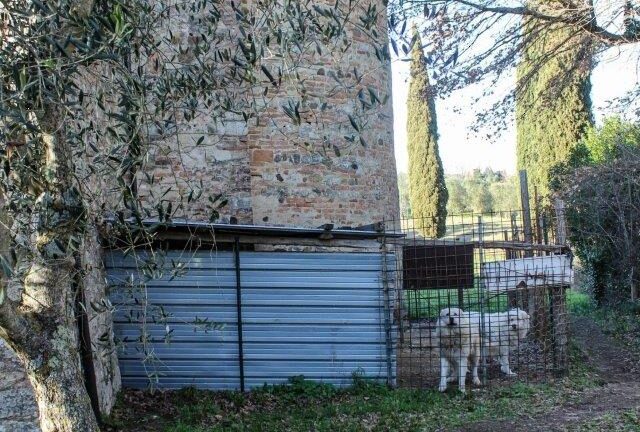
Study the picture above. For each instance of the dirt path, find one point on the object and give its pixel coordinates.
(620, 392)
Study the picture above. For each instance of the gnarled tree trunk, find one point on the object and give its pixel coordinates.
(45, 338)
(38, 305)
(53, 362)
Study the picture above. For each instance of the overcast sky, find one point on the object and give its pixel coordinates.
(462, 151)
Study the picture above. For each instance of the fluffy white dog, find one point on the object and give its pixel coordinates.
(502, 332)
(459, 347)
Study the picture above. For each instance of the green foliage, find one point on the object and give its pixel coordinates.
(459, 201)
(482, 191)
(580, 303)
(553, 106)
(603, 144)
(428, 193)
(601, 188)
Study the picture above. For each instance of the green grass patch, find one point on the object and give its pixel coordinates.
(580, 304)
(620, 321)
(465, 226)
(428, 303)
(625, 421)
(304, 405)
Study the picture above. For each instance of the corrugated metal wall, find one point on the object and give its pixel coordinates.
(321, 315)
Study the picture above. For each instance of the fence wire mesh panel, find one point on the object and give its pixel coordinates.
(485, 302)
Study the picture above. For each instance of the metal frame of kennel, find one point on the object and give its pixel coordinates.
(485, 263)
(409, 277)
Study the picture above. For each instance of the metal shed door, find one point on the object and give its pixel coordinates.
(321, 315)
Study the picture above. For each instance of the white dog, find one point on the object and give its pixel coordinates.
(502, 332)
(459, 347)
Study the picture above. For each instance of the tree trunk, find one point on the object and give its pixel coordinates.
(50, 349)
(38, 305)
(59, 389)
(38, 316)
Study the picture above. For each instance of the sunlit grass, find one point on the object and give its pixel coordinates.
(429, 303)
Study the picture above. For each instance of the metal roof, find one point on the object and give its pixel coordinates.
(326, 232)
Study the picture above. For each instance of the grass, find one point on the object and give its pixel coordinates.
(465, 226)
(428, 303)
(626, 421)
(304, 405)
(620, 321)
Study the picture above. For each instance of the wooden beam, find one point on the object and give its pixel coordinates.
(491, 244)
(526, 208)
(561, 230)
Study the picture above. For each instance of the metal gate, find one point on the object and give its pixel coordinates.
(225, 320)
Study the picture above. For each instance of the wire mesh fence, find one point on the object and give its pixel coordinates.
(485, 302)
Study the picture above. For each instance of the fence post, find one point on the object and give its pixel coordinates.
(387, 310)
(483, 363)
(561, 234)
(236, 250)
(526, 210)
(560, 327)
(537, 214)
(535, 295)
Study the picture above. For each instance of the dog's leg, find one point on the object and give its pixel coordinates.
(444, 373)
(462, 373)
(504, 361)
(453, 377)
(475, 361)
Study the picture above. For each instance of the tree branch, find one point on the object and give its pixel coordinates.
(583, 21)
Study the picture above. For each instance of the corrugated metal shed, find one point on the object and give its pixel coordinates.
(321, 315)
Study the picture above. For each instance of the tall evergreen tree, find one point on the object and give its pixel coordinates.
(428, 193)
(553, 106)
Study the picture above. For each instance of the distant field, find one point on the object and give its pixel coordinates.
(466, 227)
(429, 303)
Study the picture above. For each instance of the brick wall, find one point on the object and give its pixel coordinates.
(275, 172)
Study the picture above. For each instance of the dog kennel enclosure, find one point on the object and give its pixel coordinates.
(236, 307)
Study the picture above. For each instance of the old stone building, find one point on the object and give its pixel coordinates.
(274, 171)
(271, 170)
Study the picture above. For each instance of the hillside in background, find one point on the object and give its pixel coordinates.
(480, 191)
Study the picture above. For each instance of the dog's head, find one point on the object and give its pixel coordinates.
(518, 321)
(452, 317)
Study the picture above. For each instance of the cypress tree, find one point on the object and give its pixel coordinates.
(553, 106)
(428, 193)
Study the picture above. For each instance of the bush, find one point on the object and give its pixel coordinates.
(601, 188)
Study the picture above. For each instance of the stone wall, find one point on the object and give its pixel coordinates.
(272, 171)
(297, 176)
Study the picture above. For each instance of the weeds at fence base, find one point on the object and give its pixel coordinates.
(304, 405)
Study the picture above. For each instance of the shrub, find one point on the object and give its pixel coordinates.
(603, 212)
